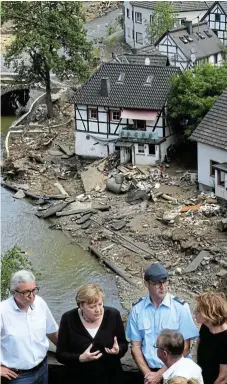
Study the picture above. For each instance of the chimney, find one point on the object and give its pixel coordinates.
(105, 87)
(188, 25)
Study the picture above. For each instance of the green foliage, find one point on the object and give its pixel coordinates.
(110, 29)
(12, 261)
(193, 94)
(49, 38)
(163, 19)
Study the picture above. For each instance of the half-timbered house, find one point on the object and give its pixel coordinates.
(123, 107)
(192, 44)
(216, 16)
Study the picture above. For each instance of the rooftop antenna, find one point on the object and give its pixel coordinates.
(198, 27)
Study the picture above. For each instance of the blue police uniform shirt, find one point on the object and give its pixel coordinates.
(146, 321)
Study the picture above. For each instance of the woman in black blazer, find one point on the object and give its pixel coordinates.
(92, 340)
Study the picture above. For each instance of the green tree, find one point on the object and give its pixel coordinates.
(49, 38)
(193, 93)
(12, 261)
(163, 19)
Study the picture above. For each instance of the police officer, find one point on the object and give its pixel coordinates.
(156, 311)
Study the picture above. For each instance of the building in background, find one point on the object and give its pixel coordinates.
(216, 17)
(211, 137)
(123, 107)
(138, 15)
(191, 44)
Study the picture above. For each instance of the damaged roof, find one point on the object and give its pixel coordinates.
(202, 41)
(179, 6)
(155, 59)
(130, 86)
(213, 128)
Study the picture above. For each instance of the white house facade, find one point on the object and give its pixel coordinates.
(211, 137)
(216, 18)
(190, 45)
(138, 15)
(122, 107)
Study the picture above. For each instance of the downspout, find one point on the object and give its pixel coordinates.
(133, 21)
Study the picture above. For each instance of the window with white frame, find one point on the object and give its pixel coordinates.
(138, 17)
(93, 113)
(139, 37)
(115, 115)
(128, 13)
(140, 148)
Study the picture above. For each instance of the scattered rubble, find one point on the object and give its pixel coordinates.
(132, 215)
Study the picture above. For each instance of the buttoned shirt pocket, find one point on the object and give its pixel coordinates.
(170, 323)
(144, 327)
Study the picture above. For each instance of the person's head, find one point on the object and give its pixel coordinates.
(23, 287)
(211, 309)
(170, 346)
(156, 280)
(89, 299)
(181, 380)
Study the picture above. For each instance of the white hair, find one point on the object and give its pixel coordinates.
(20, 277)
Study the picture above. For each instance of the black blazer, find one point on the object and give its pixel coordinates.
(74, 339)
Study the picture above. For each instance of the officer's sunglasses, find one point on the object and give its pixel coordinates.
(28, 293)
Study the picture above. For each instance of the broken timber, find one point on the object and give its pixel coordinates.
(52, 210)
(110, 265)
(32, 195)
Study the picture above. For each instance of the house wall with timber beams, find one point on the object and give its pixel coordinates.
(98, 129)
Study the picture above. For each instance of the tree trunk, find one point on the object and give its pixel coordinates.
(48, 96)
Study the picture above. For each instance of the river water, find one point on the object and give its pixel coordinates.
(63, 265)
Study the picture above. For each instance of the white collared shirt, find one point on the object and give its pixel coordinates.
(24, 343)
(184, 368)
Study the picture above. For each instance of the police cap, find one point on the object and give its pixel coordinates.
(155, 272)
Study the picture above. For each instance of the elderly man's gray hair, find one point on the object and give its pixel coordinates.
(20, 277)
(172, 341)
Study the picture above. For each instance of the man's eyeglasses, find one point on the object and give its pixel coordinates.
(158, 284)
(28, 293)
(157, 347)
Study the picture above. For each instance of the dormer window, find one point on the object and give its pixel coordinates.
(121, 78)
(149, 80)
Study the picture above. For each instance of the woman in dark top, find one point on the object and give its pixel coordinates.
(92, 340)
(211, 312)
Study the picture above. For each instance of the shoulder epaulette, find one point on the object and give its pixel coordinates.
(138, 301)
(182, 302)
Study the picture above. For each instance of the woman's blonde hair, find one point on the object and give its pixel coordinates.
(213, 307)
(89, 294)
(181, 380)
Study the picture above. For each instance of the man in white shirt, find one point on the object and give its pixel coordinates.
(26, 326)
(170, 347)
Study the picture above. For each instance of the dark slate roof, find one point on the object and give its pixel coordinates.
(179, 6)
(213, 128)
(148, 49)
(157, 60)
(204, 47)
(223, 4)
(132, 93)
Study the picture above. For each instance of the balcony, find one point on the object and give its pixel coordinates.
(134, 134)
